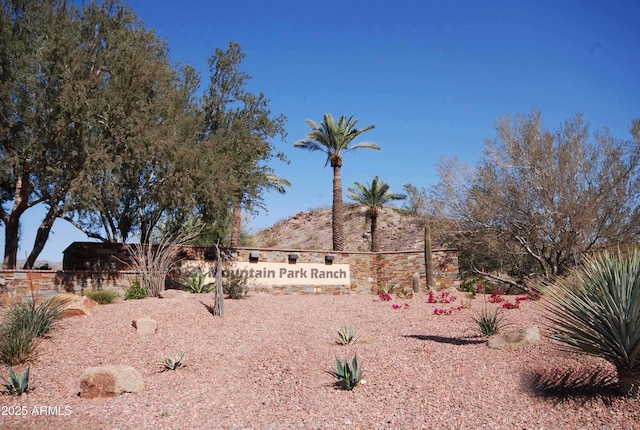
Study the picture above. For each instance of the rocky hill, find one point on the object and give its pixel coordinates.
(398, 230)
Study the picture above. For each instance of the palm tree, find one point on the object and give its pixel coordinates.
(333, 139)
(374, 197)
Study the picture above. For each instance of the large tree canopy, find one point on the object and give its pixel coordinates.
(100, 128)
(239, 125)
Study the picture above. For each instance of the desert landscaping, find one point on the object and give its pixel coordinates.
(266, 363)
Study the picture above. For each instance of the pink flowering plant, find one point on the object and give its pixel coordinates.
(451, 310)
(495, 297)
(443, 297)
(384, 296)
(397, 306)
(385, 290)
(509, 305)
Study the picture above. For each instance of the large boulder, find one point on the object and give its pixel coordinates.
(145, 325)
(110, 381)
(515, 339)
(75, 305)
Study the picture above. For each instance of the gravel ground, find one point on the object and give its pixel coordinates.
(264, 366)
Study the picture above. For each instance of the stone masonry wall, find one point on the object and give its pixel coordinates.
(367, 272)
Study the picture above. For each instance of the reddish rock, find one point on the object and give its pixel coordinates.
(110, 381)
(77, 305)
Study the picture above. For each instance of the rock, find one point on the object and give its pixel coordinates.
(76, 305)
(175, 294)
(145, 325)
(110, 381)
(515, 339)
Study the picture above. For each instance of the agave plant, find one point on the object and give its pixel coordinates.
(17, 384)
(347, 375)
(173, 362)
(347, 336)
(387, 287)
(196, 283)
(596, 311)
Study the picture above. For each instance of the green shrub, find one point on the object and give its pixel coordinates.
(173, 362)
(196, 283)
(348, 375)
(24, 323)
(596, 311)
(136, 291)
(470, 285)
(346, 336)
(16, 345)
(17, 384)
(236, 286)
(101, 296)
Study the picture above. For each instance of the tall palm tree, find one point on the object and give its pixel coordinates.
(334, 139)
(374, 197)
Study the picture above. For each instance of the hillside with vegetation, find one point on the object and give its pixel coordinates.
(399, 230)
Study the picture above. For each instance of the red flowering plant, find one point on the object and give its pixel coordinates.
(443, 297)
(385, 290)
(384, 296)
(509, 305)
(439, 311)
(397, 306)
(495, 297)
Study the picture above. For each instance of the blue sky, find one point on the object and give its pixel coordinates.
(432, 76)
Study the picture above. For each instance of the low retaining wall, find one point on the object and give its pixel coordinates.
(18, 285)
(270, 271)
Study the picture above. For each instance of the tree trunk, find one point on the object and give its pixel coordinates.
(337, 216)
(629, 382)
(375, 246)
(11, 242)
(237, 225)
(428, 260)
(12, 221)
(218, 303)
(41, 237)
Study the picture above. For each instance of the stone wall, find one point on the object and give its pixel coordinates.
(366, 271)
(19, 285)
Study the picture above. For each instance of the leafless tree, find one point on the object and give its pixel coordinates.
(154, 261)
(539, 200)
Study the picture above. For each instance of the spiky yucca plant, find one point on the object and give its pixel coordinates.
(490, 322)
(348, 375)
(596, 311)
(24, 324)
